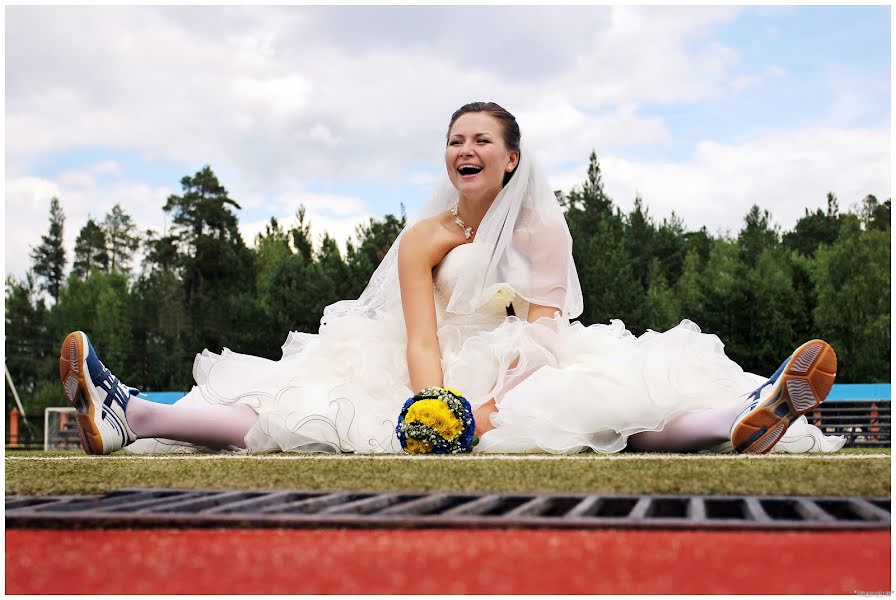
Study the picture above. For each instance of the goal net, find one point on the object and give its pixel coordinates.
(60, 431)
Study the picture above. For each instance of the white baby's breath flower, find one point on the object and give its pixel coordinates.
(502, 298)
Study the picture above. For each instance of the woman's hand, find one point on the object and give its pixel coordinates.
(481, 416)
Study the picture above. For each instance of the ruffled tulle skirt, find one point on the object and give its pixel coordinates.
(560, 387)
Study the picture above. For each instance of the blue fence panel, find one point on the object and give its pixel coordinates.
(162, 397)
(859, 392)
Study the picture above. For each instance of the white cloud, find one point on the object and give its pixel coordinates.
(783, 173)
(743, 82)
(81, 196)
(281, 95)
(323, 134)
(562, 133)
(340, 228)
(853, 94)
(776, 71)
(428, 179)
(323, 203)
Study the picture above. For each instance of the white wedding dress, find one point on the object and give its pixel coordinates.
(573, 387)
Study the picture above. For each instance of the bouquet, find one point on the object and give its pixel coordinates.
(436, 421)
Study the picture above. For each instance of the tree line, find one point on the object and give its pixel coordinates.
(199, 285)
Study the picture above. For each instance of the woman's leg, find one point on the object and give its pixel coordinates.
(801, 383)
(212, 425)
(689, 431)
(111, 416)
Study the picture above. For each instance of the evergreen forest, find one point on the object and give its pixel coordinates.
(150, 301)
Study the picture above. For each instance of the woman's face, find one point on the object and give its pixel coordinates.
(476, 156)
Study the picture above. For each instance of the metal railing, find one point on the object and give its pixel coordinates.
(866, 424)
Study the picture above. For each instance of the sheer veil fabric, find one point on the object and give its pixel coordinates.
(525, 242)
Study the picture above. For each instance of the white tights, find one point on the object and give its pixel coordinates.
(211, 425)
(690, 431)
(220, 426)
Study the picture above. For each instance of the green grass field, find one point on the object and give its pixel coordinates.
(849, 472)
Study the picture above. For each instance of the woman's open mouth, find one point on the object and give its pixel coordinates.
(468, 171)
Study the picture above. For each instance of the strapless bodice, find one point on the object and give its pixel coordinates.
(446, 276)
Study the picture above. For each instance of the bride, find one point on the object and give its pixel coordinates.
(476, 294)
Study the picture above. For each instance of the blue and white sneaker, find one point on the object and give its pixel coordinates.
(98, 396)
(799, 385)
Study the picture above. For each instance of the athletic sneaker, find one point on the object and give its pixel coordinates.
(98, 396)
(799, 385)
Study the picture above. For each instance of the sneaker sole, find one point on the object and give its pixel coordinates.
(77, 385)
(802, 386)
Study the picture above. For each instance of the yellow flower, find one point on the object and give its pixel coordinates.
(417, 446)
(437, 415)
(454, 391)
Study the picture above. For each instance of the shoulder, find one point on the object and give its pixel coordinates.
(429, 238)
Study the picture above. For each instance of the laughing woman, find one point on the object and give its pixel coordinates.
(476, 295)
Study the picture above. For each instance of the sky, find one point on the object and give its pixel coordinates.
(703, 111)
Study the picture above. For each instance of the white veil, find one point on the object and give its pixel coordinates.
(526, 240)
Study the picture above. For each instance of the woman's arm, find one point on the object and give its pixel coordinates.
(537, 311)
(482, 415)
(417, 256)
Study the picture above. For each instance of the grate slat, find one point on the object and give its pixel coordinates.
(256, 504)
(147, 499)
(196, 504)
(427, 505)
(529, 508)
(36, 503)
(639, 512)
(584, 507)
(870, 510)
(754, 511)
(312, 504)
(697, 509)
(810, 510)
(476, 507)
(369, 505)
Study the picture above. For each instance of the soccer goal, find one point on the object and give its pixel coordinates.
(60, 430)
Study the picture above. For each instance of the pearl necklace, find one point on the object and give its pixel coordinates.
(468, 231)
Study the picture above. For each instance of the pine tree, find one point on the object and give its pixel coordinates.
(207, 233)
(874, 214)
(26, 336)
(49, 256)
(757, 235)
(90, 250)
(122, 241)
(610, 288)
(660, 310)
(814, 229)
(301, 235)
(639, 234)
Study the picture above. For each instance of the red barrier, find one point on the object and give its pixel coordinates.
(14, 416)
(257, 561)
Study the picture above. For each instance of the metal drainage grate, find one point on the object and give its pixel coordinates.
(240, 508)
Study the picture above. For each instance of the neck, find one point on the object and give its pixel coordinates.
(472, 210)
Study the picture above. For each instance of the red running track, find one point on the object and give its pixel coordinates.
(298, 561)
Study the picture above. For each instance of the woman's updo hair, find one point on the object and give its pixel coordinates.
(507, 120)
